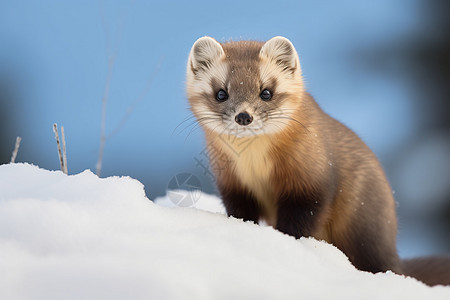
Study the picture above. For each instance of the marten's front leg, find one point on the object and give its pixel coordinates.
(239, 203)
(298, 214)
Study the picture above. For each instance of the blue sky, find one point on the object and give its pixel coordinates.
(56, 53)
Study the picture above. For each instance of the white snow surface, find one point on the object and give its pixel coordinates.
(82, 237)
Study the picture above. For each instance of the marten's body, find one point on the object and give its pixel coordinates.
(319, 181)
(278, 157)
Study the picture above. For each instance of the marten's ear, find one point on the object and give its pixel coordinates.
(204, 53)
(281, 51)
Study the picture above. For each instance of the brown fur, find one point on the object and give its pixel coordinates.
(434, 270)
(302, 171)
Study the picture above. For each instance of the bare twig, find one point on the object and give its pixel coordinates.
(66, 171)
(103, 136)
(136, 101)
(61, 159)
(16, 149)
(111, 60)
(55, 130)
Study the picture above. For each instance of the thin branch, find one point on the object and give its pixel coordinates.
(133, 105)
(111, 61)
(103, 136)
(66, 171)
(104, 27)
(98, 166)
(16, 149)
(111, 52)
(61, 162)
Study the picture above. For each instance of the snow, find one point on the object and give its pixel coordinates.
(203, 201)
(82, 237)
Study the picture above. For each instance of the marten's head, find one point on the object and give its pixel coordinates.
(244, 88)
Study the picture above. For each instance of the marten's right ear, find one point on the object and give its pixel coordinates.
(204, 53)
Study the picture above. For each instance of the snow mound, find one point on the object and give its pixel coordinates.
(201, 201)
(82, 237)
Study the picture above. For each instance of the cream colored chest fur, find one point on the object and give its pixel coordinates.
(253, 165)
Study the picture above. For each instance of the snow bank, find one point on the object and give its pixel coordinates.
(81, 237)
(202, 201)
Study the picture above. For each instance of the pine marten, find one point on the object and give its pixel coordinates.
(279, 157)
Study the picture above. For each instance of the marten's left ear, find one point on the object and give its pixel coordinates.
(282, 52)
(204, 53)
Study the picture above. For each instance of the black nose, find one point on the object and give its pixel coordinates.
(243, 118)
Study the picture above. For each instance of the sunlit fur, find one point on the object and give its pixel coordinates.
(270, 117)
(290, 147)
(244, 69)
(294, 166)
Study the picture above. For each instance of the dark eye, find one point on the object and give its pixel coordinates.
(266, 95)
(221, 96)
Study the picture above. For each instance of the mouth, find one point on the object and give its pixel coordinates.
(245, 132)
(241, 131)
(242, 128)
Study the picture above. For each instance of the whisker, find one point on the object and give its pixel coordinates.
(200, 123)
(276, 116)
(199, 120)
(298, 122)
(191, 117)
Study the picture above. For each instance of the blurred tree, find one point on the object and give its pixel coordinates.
(6, 105)
(429, 59)
(423, 60)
